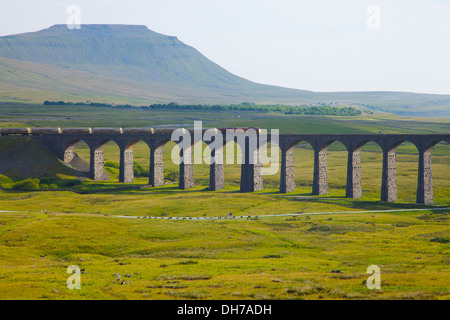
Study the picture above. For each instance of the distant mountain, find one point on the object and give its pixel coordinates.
(132, 64)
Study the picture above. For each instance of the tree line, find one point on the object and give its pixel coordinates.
(277, 108)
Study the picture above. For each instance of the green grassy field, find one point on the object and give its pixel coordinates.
(268, 258)
(254, 257)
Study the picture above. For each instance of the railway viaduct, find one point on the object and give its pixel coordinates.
(62, 141)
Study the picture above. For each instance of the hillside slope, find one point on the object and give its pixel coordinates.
(132, 64)
(25, 158)
(107, 49)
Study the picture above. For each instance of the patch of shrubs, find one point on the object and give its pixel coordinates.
(171, 175)
(45, 183)
(112, 164)
(55, 182)
(48, 186)
(187, 262)
(111, 171)
(272, 256)
(28, 184)
(70, 183)
(4, 180)
(140, 171)
(440, 240)
(112, 168)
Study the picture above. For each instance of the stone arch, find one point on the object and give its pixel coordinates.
(130, 144)
(242, 149)
(288, 170)
(425, 190)
(320, 181)
(336, 175)
(184, 159)
(426, 145)
(213, 155)
(232, 162)
(78, 159)
(264, 160)
(354, 146)
(369, 153)
(97, 163)
(389, 174)
(100, 143)
(435, 182)
(201, 157)
(392, 144)
(68, 149)
(128, 157)
(251, 167)
(406, 160)
(156, 174)
(271, 152)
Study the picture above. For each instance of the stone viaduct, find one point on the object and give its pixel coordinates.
(62, 142)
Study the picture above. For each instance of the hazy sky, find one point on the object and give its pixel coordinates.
(321, 45)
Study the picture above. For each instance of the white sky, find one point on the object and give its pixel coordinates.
(321, 45)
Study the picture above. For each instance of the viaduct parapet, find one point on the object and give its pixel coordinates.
(62, 141)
